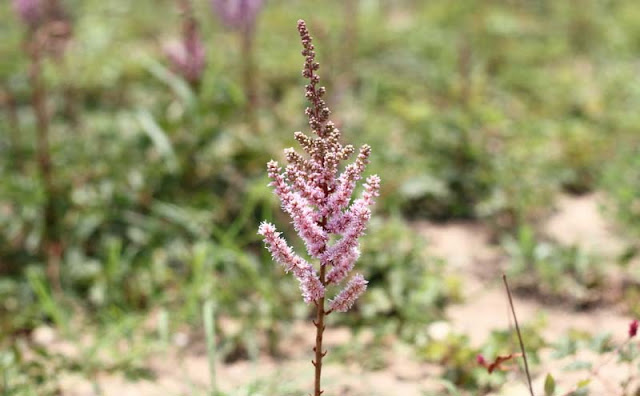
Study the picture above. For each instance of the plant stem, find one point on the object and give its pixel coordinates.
(319, 323)
(49, 247)
(8, 100)
(208, 315)
(249, 76)
(515, 319)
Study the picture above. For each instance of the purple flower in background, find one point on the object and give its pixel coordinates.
(29, 11)
(318, 199)
(49, 19)
(237, 14)
(187, 57)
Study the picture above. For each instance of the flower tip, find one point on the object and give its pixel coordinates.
(481, 360)
(633, 328)
(266, 228)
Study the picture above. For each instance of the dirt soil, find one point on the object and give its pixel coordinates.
(468, 251)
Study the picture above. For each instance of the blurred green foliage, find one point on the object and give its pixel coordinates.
(554, 272)
(474, 109)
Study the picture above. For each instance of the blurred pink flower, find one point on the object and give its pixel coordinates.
(237, 14)
(188, 56)
(633, 328)
(29, 11)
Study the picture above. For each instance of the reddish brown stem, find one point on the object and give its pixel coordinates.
(319, 323)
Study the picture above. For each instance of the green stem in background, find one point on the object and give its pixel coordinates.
(47, 302)
(249, 76)
(5, 373)
(8, 100)
(163, 329)
(208, 317)
(464, 70)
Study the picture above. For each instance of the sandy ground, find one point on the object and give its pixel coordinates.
(468, 252)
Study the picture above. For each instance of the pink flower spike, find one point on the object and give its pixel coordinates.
(633, 328)
(343, 265)
(310, 284)
(348, 296)
(318, 197)
(299, 209)
(359, 216)
(312, 289)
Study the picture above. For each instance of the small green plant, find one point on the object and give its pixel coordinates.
(626, 353)
(551, 270)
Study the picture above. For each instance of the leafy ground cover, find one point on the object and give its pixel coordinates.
(506, 137)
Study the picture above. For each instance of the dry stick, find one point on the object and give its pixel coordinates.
(515, 319)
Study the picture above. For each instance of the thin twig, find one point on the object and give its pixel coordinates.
(515, 319)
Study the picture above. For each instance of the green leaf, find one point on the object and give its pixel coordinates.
(584, 383)
(549, 385)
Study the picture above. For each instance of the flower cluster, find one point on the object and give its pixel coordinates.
(29, 11)
(237, 14)
(48, 24)
(633, 328)
(187, 56)
(318, 199)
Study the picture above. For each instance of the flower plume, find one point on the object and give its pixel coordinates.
(318, 197)
(187, 55)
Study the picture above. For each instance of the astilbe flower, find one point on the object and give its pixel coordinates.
(318, 198)
(187, 58)
(29, 11)
(187, 55)
(237, 14)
